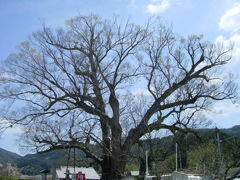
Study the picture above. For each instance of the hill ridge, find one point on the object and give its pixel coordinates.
(33, 163)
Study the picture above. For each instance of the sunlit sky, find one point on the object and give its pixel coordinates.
(217, 20)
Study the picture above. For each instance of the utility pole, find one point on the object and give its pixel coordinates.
(219, 145)
(147, 172)
(204, 169)
(176, 157)
(219, 153)
(180, 158)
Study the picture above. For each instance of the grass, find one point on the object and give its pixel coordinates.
(8, 178)
(17, 178)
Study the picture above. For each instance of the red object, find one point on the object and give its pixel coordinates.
(80, 176)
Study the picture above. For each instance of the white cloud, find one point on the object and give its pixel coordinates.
(235, 41)
(224, 114)
(5, 126)
(158, 6)
(225, 109)
(141, 92)
(230, 21)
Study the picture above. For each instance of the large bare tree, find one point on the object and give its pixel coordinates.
(74, 87)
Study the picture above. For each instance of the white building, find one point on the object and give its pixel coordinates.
(90, 173)
(181, 176)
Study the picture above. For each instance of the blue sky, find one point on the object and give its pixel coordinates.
(217, 20)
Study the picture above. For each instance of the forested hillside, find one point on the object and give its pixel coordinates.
(192, 150)
(8, 157)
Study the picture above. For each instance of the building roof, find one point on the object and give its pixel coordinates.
(134, 173)
(181, 175)
(45, 171)
(90, 173)
(192, 171)
(233, 173)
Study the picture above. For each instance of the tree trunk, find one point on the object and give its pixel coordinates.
(113, 168)
(142, 169)
(106, 167)
(113, 165)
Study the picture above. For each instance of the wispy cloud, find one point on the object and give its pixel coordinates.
(230, 21)
(230, 24)
(141, 92)
(233, 40)
(158, 6)
(224, 109)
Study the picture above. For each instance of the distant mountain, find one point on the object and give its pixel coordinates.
(234, 131)
(8, 157)
(32, 163)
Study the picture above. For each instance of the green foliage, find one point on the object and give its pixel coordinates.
(32, 164)
(31, 170)
(164, 167)
(131, 167)
(200, 152)
(169, 164)
(8, 157)
(205, 157)
(8, 178)
(234, 131)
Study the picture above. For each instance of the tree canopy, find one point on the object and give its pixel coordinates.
(78, 85)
